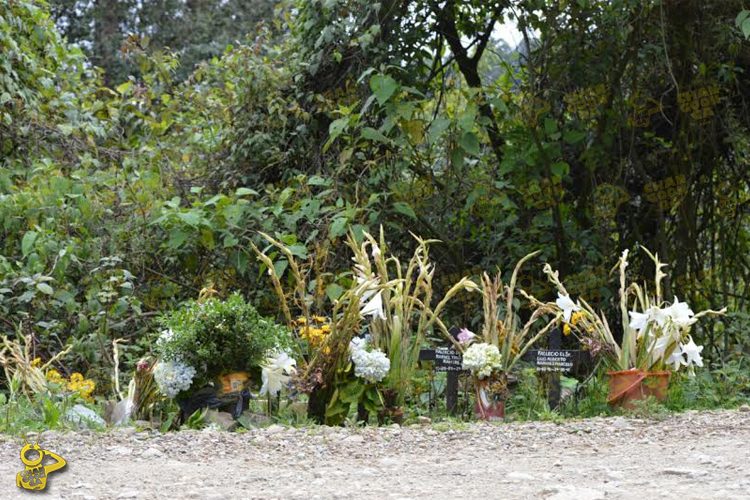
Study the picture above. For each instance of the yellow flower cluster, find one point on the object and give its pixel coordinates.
(77, 383)
(55, 377)
(83, 386)
(316, 332)
(575, 318)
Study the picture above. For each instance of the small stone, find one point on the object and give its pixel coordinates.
(221, 419)
(126, 431)
(422, 420)
(745, 408)
(275, 429)
(354, 439)
(578, 494)
(684, 472)
(120, 450)
(128, 494)
(519, 476)
(152, 453)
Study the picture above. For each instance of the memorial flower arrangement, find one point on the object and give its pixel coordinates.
(491, 355)
(313, 331)
(482, 360)
(397, 306)
(276, 372)
(210, 337)
(370, 364)
(656, 333)
(322, 348)
(387, 300)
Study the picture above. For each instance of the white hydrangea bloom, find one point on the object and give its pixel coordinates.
(173, 377)
(373, 365)
(482, 359)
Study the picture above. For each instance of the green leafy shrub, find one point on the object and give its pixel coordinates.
(219, 336)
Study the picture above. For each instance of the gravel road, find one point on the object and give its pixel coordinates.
(691, 455)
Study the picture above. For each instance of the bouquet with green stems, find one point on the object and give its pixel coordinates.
(656, 334)
(504, 338)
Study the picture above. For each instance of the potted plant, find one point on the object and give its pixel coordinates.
(214, 342)
(492, 355)
(656, 335)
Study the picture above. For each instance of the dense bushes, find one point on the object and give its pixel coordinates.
(117, 204)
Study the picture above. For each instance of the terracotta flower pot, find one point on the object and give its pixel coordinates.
(628, 386)
(489, 405)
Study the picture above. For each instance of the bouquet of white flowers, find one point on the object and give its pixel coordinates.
(372, 365)
(482, 359)
(173, 377)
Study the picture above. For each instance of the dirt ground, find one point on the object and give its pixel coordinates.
(686, 456)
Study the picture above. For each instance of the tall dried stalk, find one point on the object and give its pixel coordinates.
(500, 327)
(18, 364)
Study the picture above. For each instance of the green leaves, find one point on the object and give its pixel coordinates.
(743, 22)
(404, 209)
(383, 86)
(27, 243)
(470, 143)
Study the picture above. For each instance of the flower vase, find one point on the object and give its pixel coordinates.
(626, 387)
(490, 403)
(392, 412)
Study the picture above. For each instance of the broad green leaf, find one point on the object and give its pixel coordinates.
(574, 136)
(245, 192)
(190, 218)
(230, 241)
(372, 134)
(45, 288)
(560, 169)
(470, 143)
(124, 87)
(27, 243)
(280, 266)
(383, 86)
(405, 209)
(338, 227)
(317, 180)
(335, 129)
(176, 238)
(741, 18)
(334, 291)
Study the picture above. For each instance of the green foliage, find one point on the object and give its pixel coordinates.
(726, 386)
(220, 336)
(196, 421)
(351, 391)
(124, 191)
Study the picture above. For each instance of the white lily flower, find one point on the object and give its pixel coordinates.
(660, 316)
(693, 353)
(639, 321)
(567, 305)
(680, 313)
(374, 307)
(276, 373)
(659, 346)
(677, 359)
